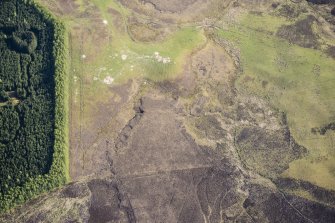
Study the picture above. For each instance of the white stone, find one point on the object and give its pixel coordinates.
(108, 80)
(166, 60)
(124, 57)
(159, 59)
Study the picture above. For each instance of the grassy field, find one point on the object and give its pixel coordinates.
(123, 58)
(296, 80)
(129, 59)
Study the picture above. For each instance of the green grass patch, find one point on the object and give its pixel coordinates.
(125, 59)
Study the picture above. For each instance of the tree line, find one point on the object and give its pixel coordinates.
(33, 130)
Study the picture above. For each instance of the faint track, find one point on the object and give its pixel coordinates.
(81, 102)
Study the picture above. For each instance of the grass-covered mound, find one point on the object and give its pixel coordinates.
(33, 117)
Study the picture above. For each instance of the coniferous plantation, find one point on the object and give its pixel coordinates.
(32, 111)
